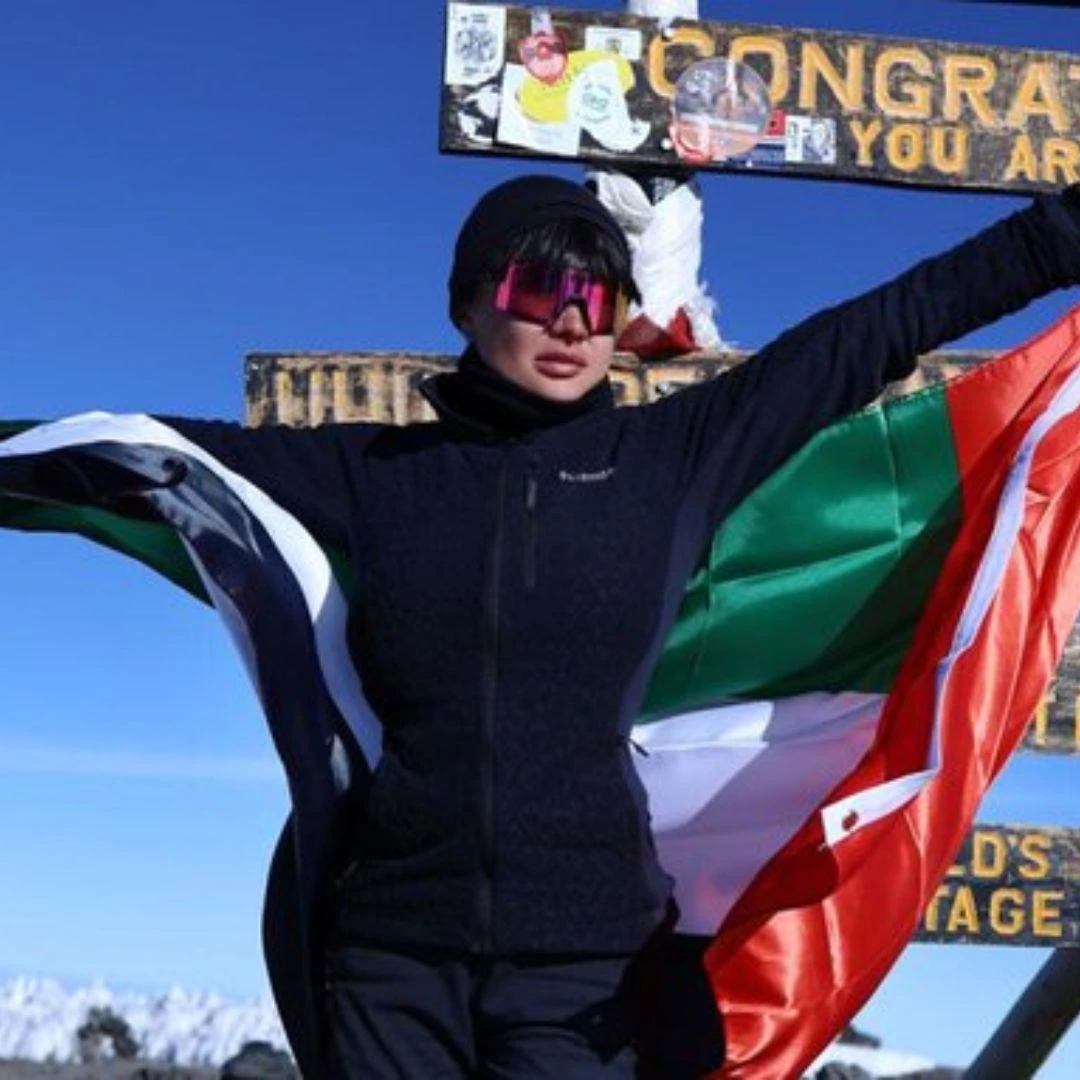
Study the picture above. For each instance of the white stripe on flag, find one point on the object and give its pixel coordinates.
(729, 786)
(326, 605)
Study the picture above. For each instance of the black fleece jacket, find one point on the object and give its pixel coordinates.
(495, 628)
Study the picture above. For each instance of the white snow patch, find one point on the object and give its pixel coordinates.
(39, 1019)
(880, 1063)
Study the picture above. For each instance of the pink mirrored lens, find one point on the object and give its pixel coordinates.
(534, 295)
(594, 296)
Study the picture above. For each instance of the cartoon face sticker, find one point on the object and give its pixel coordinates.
(544, 54)
(597, 101)
(720, 110)
(595, 98)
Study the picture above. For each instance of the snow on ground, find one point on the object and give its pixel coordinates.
(39, 1019)
(881, 1063)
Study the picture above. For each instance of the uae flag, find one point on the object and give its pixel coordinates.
(853, 665)
(858, 654)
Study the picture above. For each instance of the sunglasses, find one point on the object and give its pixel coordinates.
(536, 294)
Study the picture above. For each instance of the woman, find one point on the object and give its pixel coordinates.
(496, 880)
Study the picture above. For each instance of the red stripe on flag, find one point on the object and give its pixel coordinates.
(787, 978)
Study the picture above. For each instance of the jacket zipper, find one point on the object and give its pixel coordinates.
(490, 687)
(532, 489)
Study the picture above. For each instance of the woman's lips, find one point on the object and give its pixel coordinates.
(558, 365)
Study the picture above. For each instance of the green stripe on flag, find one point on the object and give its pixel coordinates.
(155, 544)
(815, 582)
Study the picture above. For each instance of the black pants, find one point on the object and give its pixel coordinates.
(425, 1014)
(420, 1013)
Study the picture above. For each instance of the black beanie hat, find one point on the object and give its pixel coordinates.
(509, 209)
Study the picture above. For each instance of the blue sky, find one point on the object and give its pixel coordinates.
(183, 183)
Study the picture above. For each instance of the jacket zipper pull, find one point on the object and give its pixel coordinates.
(532, 494)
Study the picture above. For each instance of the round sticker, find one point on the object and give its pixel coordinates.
(720, 110)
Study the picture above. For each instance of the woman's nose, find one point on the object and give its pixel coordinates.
(571, 322)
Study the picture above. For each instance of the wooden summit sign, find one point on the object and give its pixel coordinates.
(1009, 885)
(634, 92)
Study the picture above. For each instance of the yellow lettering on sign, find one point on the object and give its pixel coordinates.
(1046, 912)
(692, 36)
(1061, 161)
(1041, 723)
(989, 855)
(1038, 95)
(339, 390)
(913, 100)
(1035, 849)
(1022, 160)
(1007, 911)
(864, 133)
(950, 150)
(957, 870)
(930, 918)
(969, 78)
(847, 86)
(964, 914)
(779, 69)
(282, 391)
(904, 147)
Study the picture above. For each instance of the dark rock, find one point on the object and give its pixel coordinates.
(104, 1030)
(111, 1069)
(852, 1036)
(169, 1072)
(933, 1074)
(259, 1061)
(836, 1071)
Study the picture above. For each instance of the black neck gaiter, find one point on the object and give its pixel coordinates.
(477, 399)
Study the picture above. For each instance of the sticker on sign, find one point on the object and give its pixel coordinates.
(475, 43)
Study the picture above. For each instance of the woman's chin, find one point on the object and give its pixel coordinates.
(560, 391)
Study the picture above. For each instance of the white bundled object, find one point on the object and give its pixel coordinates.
(663, 9)
(665, 240)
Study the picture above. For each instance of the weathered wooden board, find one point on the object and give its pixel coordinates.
(304, 389)
(1010, 885)
(308, 388)
(621, 89)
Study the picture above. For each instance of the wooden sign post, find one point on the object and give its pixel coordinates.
(638, 93)
(1009, 885)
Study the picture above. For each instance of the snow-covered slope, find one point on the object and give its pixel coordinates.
(39, 1019)
(880, 1063)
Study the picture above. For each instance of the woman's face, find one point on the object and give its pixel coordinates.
(562, 361)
